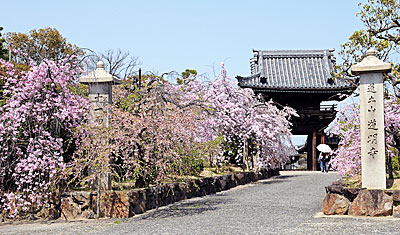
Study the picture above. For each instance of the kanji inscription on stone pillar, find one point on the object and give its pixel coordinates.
(373, 167)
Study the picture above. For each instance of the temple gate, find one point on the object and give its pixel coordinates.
(301, 79)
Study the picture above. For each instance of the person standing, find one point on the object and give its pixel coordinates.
(323, 160)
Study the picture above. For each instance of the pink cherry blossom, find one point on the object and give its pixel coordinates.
(347, 160)
(33, 136)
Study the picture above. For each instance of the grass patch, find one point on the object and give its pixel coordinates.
(355, 181)
(206, 172)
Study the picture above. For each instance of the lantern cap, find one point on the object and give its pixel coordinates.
(371, 64)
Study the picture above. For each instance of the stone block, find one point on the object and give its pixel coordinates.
(158, 194)
(112, 204)
(335, 204)
(138, 201)
(228, 181)
(251, 176)
(151, 198)
(70, 209)
(170, 195)
(199, 188)
(232, 181)
(206, 186)
(263, 174)
(240, 178)
(396, 195)
(224, 183)
(396, 211)
(183, 187)
(88, 214)
(50, 213)
(211, 185)
(274, 172)
(116, 204)
(179, 190)
(82, 198)
(371, 203)
(269, 173)
(260, 175)
(203, 187)
(351, 193)
(189, 190)
(217, 183)
(336, 187)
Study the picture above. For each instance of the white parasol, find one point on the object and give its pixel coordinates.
(324, 148)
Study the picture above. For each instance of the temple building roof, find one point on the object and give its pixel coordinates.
(304, 71)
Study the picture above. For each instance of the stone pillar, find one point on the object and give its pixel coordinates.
(373, 167)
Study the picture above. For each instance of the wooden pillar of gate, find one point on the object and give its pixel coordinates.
(314, 150)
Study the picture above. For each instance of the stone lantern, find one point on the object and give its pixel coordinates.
(100, 84)
(100, 93)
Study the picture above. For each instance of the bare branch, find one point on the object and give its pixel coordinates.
(117, 63)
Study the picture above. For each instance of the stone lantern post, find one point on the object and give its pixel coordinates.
(373, 166)
(100, 84)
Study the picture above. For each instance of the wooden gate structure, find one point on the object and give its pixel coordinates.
(301, 79)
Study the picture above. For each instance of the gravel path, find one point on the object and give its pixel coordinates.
(286, 204)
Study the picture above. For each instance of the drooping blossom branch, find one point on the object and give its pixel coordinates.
(39, 128)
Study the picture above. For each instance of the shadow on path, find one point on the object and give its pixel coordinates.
(286, 176)
(187, 208)
(273, 182)
(209, 203)
(278, 179)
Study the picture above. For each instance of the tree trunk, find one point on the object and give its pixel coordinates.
(396, 139)
(246, 155)
(390, 167)
(98, 195)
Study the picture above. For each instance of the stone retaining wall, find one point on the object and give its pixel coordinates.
(127, 203)
(340, 200)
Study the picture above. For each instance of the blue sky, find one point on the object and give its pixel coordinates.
(175, 35)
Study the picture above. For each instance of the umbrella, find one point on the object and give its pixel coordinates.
(324, 148)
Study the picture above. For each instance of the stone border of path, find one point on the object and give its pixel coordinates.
(377, 218)
(127, 203)
(340, 200)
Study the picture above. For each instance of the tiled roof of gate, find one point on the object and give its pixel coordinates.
(293, 70)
